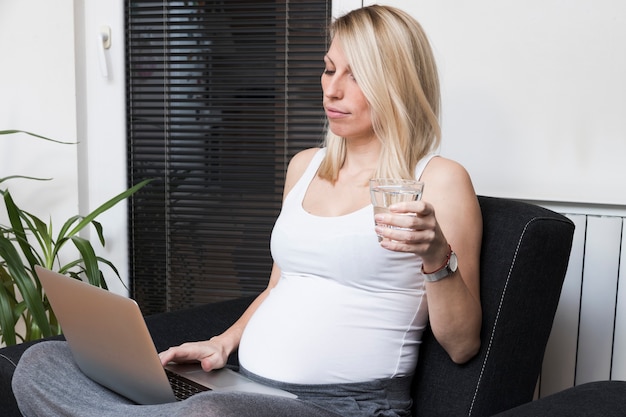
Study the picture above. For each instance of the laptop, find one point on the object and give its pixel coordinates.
(111, 344)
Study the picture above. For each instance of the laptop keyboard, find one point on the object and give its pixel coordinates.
(182, 387)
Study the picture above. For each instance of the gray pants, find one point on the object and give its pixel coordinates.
(47, 382)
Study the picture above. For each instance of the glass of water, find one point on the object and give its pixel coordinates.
(388, 191)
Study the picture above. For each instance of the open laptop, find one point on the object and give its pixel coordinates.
(111, 344)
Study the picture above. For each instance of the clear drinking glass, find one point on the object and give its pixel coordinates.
(387, 191)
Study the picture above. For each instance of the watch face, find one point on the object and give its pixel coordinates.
(453, 262)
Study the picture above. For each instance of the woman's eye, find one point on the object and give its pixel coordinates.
(328, 72)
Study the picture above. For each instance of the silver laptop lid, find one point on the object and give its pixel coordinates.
(108, 338)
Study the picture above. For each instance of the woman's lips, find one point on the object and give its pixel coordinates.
(334, 113)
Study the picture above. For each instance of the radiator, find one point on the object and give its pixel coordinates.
(588, 339)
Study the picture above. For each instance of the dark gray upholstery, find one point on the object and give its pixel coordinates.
(524, 259)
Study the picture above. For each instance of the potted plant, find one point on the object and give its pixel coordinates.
(28, 241)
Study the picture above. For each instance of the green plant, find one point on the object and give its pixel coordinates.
(28, 241)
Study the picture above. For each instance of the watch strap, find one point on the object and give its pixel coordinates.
(443, 271)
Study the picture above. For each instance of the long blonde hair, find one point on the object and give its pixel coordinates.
(394, 66)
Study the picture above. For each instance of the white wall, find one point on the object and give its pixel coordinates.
(102, 115)
(534, 93)
(51, 84)
(37, 93)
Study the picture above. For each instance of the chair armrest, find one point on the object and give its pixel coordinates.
(594, 399)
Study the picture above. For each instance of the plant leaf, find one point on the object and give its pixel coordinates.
(7, 315)
(39, 231)
(66, 269)
(12, 132)
(12, 177)
(26, 286)
(107, 205)
(99, 231)
(94, 275)
(18, 229)
(66, 226)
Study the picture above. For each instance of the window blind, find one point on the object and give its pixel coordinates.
(220, 96)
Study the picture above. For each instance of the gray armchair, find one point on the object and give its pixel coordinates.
(524, 258)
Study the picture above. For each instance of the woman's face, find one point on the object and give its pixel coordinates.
(346, 107)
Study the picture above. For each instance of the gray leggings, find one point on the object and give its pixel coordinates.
(47, 382)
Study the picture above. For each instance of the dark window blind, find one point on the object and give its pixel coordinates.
(220, 95)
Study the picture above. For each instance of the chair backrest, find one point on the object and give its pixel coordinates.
(525, 253)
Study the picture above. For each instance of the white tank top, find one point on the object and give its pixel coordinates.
(344, 309)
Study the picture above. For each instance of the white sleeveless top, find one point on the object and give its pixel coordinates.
(344, 309)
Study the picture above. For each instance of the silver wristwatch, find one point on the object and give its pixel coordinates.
(448, 268)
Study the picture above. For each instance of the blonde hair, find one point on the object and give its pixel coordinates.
(393, 64)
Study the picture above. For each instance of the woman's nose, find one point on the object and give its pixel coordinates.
(333, 87)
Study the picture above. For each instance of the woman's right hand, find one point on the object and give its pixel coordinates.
(213, 353)
(210, 353)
